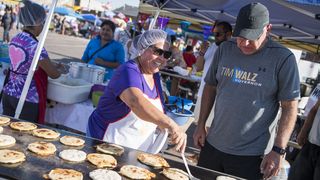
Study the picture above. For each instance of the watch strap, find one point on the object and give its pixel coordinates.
(279, 150)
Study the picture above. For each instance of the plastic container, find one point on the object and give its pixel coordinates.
(284, 171)
(96, 97)
(5, 65)
(179, 117)
(97, 87)
(68, 91)
(4, 53)
(178, 101)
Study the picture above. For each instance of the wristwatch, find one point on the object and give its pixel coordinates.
(279, 150)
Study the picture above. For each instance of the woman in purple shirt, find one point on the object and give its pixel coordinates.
(131, 108)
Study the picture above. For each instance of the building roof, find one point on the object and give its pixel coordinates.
(128, 10)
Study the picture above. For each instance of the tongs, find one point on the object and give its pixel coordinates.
(187, 167)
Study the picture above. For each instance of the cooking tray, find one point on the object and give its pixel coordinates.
(36, 166)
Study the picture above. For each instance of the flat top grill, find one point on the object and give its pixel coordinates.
(36, 166)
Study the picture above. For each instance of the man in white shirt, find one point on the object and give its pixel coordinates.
(222, 32)
(307, 163)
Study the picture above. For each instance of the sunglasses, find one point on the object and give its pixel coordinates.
(160, 52)
(218, 34)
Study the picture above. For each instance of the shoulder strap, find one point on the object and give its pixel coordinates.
(94, 53)
(127, 33)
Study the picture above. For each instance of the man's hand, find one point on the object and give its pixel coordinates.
(204, 46)
(199, 136)
(270, 164)
(302, 137)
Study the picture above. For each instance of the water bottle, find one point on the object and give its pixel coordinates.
(194, 69)
(284, 171)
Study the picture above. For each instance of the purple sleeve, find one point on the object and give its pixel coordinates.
(124, 78)
(44, 54)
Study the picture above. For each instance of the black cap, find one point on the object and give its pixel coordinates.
(251, 20)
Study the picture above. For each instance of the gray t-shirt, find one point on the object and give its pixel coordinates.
(249, 88)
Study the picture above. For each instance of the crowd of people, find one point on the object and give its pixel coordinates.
(8, 17)
(246, 81)
(67, 25)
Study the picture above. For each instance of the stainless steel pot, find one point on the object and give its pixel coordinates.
(96, 74)
(91, 73)
(79, 70)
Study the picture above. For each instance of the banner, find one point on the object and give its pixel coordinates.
(207, 30)
(185, 25)
(162, 22)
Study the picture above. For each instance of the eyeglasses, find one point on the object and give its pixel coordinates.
(218, 34)
(160, 52)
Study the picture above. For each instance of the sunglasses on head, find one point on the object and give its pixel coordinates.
(160, 52)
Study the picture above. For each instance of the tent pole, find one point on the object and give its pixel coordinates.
(189, 9)
(35, 60)
(153, 22)
(290, 6)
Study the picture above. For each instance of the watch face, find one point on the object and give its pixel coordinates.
(283, 152)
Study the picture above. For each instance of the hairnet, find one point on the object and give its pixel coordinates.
(31, 14)
(149, 38)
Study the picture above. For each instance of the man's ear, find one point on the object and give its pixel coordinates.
(229, 34)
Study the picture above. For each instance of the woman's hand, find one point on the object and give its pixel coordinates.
(99, 61)
(50, 68)
(179, 138)
(61, 68)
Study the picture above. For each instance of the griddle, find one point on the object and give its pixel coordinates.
(36, 166)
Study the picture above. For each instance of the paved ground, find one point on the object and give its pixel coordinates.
(61, 47)
(65, 48)
(69, 48)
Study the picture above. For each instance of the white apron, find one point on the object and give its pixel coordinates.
(133, 132)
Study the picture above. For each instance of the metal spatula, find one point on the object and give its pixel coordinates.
(187, 167)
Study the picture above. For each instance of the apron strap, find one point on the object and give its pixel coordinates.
(41, 81)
